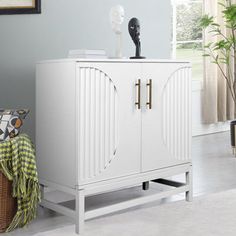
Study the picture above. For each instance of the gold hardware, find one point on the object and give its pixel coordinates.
(149, 103)
(138, 103)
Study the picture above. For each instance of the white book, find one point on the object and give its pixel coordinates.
(88, 56)
(87, 53)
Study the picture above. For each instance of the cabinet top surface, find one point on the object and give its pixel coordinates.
(107, 60)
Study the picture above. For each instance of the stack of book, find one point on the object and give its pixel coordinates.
(87, 53)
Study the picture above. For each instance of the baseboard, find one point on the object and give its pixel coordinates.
(203, 129)
(198, 128)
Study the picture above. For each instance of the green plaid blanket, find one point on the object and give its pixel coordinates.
(17, 162)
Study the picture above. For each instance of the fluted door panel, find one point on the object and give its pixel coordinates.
(166, 128)
(176, 127)
(98, 110)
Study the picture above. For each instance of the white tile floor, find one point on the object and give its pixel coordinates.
(214, 166)
(214, 170)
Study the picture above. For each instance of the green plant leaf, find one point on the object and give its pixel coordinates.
(206, 21)
(222, 4)
(230, 14)
(215, 24)
(208, 45)
(219, 45)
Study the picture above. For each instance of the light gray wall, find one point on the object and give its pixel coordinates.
(71, 24)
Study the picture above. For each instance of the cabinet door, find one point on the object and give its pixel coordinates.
(109, 125)
(166, 128)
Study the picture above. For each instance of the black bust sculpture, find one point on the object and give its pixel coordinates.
(134, 31)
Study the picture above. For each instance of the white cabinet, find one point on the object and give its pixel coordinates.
(134, 117)
(108, 124)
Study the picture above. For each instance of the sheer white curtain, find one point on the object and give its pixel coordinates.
(217, 102)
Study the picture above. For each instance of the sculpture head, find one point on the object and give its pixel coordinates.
(117, 15)
(134, 30)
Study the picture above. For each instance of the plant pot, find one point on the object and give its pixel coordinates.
(233, 136)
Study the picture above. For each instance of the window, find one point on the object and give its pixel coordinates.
(187, 35)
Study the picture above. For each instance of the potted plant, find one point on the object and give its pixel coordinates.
(223, 51)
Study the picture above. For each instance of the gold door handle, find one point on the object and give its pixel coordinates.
(149, 102)
(138, 103)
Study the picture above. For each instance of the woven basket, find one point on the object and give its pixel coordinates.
(8, 204)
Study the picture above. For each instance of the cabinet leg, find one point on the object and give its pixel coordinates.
(80, 209)
(146, 185)
(189, 181)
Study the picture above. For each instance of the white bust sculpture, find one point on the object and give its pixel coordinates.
(117, 14)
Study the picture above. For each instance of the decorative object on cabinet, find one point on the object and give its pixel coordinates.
(134, 31)
(117, 14)
(18, 164)
(8, 7)
(133, 120)
(88, 53)
(10, 122)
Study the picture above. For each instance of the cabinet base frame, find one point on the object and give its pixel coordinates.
(80, 215)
